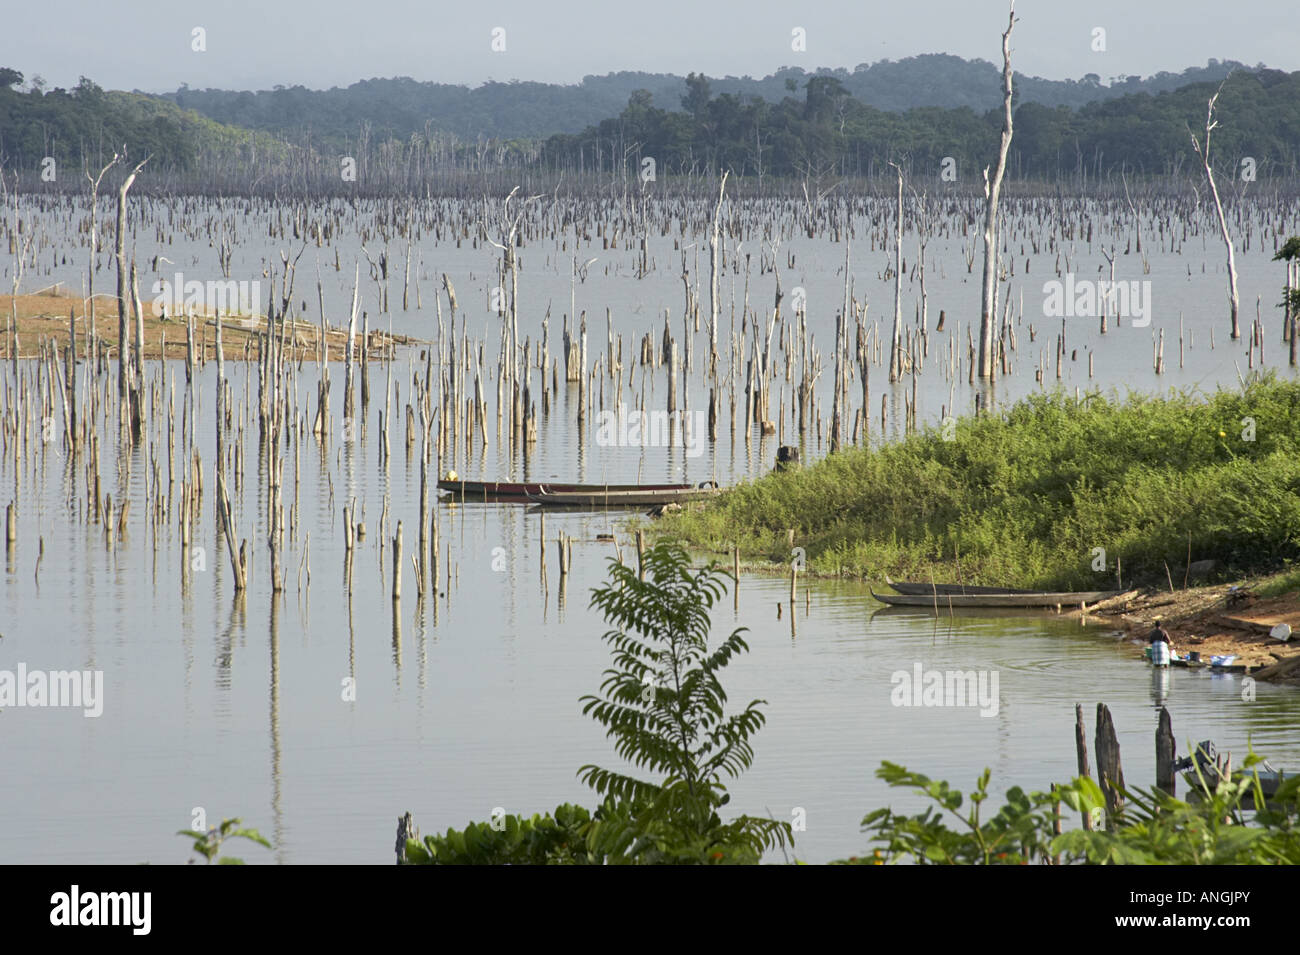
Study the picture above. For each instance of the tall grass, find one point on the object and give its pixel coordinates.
(1025, 498)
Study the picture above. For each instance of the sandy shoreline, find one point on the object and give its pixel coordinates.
(43, 317)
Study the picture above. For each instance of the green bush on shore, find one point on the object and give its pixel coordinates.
(1024, 498)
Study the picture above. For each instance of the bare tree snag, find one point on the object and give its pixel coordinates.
(22, 249)
(992, 190)
(713, 275)
(119, 252)
(896, 340)
(94, 248)
(1204, 153)
(350, 354)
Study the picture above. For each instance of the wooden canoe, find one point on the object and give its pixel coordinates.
(1009, 601)
(524, 492)
(906, 587)
(551, 496)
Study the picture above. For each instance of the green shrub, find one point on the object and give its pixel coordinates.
(1213, 827)
(662, 703)
(1023, 498)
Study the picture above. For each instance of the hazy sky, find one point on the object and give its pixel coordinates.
(256, 44)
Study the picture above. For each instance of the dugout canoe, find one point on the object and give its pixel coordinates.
(524, 492)
(557, 496)
(1008, 601)
(911, 587)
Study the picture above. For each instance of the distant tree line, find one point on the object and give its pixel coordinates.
(401, 107)
(812, 134)
(87, 124)
(829, 132)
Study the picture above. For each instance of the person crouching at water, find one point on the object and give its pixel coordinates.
(1159, 640)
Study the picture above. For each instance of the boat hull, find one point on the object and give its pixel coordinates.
(1269, 780)
(612, 498)
(524, 492)
(959, 589)
(1009, 601)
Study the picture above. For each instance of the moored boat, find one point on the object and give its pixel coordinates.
(554, 494)
(524, 492)
(1211, 768)
(911, 587)
(648, 496)
(1010, 601)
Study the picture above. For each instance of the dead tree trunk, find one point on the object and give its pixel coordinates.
(119, 253)
(94, 249)
(1204, 154)
(350, 355)
(1166, 750)
(896, 341)
(713, 276)
(21, 250)
(1110, 774)
(138, 410)
(992, 190)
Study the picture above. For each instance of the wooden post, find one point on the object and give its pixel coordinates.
(735, 569)
(1081, 749)
(541, 545)
(1110, 774)
(1166, 751)
(405, 825)
(397, 563)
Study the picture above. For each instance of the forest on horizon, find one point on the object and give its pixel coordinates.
(919, 113)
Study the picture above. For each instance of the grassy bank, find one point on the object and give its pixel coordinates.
(1025, 498)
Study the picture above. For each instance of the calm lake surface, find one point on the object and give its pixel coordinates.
(471, 701)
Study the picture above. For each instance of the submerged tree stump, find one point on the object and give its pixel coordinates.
(1110, 773)
(1166, 751)
(1081, 749)
(405, 830)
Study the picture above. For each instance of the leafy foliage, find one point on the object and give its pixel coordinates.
(843, 127)
(662, 703)
(551, 839)
(401, 107)
(86, 125)
(1023, 497)
(914, 111)
(1011, 837)
(208, 844)
(1213, 827)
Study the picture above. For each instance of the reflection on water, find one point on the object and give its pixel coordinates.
(490, 717)
(466, 698)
